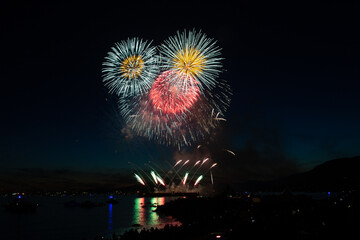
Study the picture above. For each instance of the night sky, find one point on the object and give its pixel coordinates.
(293, 68)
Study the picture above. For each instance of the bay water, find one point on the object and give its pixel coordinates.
(54, 220)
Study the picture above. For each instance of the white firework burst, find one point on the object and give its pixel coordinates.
(131, 67)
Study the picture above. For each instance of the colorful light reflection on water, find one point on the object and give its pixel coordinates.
(144, 215)
(110, 220)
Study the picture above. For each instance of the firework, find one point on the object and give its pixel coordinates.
(175, 99)
(198, 180)
(160, 180)
(139, 179)
(185, 177)
(186, 162)
(213, 165)
(131, 67)
(194, 57)
(217, 116)
(204, 161)
(176, 120)
(166, 96)
(154, 176)
(177, 163)
(169, 182)
(231, 152)
(176, 172)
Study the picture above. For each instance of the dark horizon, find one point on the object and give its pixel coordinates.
(37, 180)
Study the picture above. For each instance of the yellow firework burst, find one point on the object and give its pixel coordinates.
(132, 66)
(193, 56)
(189, 61)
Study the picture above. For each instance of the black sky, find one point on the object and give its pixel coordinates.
(293, 68)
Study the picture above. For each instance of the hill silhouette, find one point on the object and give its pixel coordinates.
(333, 175)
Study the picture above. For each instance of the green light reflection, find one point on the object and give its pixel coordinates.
(144, 215)
(143, 212)
(153, 216)
(139, 211)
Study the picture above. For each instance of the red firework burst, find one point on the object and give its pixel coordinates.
(171, 94)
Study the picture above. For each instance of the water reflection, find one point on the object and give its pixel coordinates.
(144, 215)
(153, 216)
(110, 219)
(139, 212)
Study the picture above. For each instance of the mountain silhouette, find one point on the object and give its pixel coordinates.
(333, 175)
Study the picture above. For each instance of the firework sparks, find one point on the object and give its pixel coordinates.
(131, 67)
(160, 180)
(204, 161)
(139, 179)
(213, 165)
(168, 99)
(166, 95)
(173, 127)
(230, 152)
(181, 123)
(217, 118)
(193, 56)
(185, 177)
(177, 163)
(198, 180)
(154, 176)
